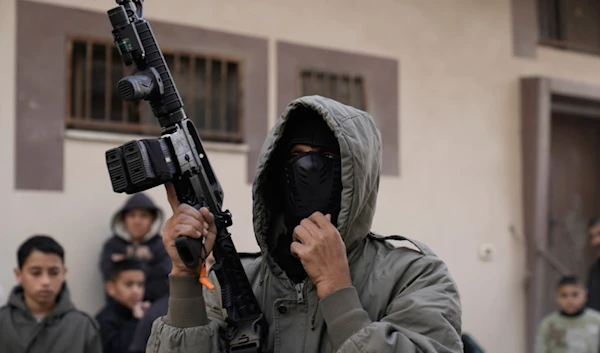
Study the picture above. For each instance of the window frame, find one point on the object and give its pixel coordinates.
(547, 41)
(236, 136)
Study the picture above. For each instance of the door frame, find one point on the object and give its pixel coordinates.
(538, 101)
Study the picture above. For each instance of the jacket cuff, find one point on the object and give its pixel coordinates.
(186, 302)
(344, 315)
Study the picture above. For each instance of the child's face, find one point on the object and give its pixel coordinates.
(42, 277)
(594, 233)
(138, 223)
(127, 288)
(571, 298)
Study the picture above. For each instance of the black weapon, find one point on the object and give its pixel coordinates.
(178, 157)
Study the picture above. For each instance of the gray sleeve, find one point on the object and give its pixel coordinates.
(424, 316)
(186, 302)
(186, 328)
(170, 339)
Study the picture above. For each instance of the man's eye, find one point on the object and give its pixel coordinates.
(329, 155)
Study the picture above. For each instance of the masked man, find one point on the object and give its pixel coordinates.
(324, 281)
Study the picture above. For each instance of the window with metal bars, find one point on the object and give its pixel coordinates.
(346, 89)
(210, 88)
(570, 24)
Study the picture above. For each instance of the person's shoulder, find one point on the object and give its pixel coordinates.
(81, 319)
(106, 314)
(4, 311)
(154, 239)
(6, 308)
(402, 251)
(592, 314)
(399, 258)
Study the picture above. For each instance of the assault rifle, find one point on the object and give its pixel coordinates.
(178, 157)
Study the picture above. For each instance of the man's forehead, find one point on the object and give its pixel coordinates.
(310, 131)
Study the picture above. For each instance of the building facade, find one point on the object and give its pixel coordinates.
(486, 110)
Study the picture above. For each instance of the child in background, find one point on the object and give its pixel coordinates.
(573, 328)
(125, 307)
(40, 316)
(136, 235)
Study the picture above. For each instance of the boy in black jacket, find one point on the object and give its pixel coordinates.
(119, 318)
(136, 235)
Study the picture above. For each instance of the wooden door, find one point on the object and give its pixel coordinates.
(573, 197)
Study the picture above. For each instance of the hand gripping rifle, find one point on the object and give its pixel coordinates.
(178, 157)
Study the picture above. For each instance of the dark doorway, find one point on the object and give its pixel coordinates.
(573, 196)
(561, 172)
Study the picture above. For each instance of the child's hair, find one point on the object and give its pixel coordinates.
(568, 280)
(42, 243)
(125, 265)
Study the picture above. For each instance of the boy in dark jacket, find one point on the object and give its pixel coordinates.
(136, 235)
(119, 318)
(39, 316)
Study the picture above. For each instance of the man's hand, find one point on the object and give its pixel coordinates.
(186, 221)
(320, 248)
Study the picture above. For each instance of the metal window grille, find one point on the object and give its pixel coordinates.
(346, 89)
(210, 88)
(570, 24)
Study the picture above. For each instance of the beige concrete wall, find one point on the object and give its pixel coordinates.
(460, 183)
(8, 236)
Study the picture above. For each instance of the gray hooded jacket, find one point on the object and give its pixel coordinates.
(403, 299)
(64, 329)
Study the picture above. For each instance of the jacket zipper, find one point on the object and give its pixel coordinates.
(300, 292)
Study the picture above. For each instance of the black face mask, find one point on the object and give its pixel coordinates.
(312, 183)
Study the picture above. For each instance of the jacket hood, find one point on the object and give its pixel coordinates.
(360, 151)
(137, 201)
(63, 302)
